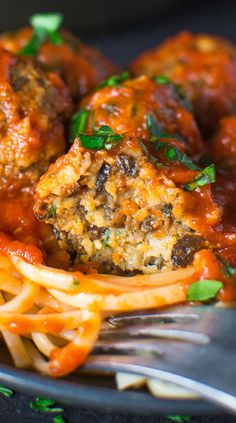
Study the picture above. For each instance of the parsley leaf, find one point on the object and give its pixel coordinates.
(103, 138)
(179, 419)
(5, 391)
(78, 123)
(155, 129)
(58, 419)
(163, 80)
(228, 269)
(45, 404)
(106, 238)
(172, 152)
(52, 211)
(114, 80)
(45, 27)
(203, 290)
(206, 176)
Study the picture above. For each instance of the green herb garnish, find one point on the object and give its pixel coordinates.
(114, 80)
(45, 27)
(227, 268)
(45, 404)
(78, 123)
(172, 152)
(179, 419)
(52, 211)
(163, 80)
(106, 238)
(103, 138)
(203, 290)
(155, 130)
(58, 419)
(5, 391)
(75, 282)
(206, 176)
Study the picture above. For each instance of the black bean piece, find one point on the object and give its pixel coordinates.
(102, 175)
(18, 82)
(127, 165)
(158, 262)
(96, 232)
(167, 209)
(80, 210)
(185, 248)
(147, 224)
(57, 234)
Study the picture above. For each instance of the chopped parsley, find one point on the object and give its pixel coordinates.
(114, 80)
(75, 282)
(106, 238)
(46, 405)
(103, 138)
(163, 80)
(78, 124)
(52, 211)
(45, 27)
(5, 391)
(58, 419)
(204, 290)
(206, 176)
(227, 268)
(155, 130)
(179, 419)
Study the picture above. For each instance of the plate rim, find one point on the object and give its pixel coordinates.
(79, 394)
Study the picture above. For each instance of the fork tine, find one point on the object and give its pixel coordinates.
(155, 332)
(136, 346)
(153, 317)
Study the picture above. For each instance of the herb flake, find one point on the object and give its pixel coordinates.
(179, 419)
(52, 211)
(106, 238)
(45, 405)
(206, 176)
(5, 391)
(45, 27)
(58, 419)
(227, 268)
(103, 138)
(203, 290)
(78, 123)
(114, 80)
(164, 80)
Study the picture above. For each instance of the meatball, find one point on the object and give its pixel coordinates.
(126, 106)
(205, 67)
(80, 66)
(124, 209)
(224, 145)
(34, 106)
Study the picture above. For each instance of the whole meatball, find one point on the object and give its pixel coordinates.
(205, 67)
(126, 106)
(34, 106)
(80, 66)
(224, 145)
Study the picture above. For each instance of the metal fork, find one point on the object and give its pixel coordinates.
(194, 347)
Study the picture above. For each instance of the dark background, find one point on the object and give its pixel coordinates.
(121, 29)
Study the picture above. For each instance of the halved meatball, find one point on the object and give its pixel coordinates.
(124, 209)
(80, 66)
(205, 67)
(126, 106)
(34, 106)
(224, 146)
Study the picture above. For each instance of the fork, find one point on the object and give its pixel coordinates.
(193, 347)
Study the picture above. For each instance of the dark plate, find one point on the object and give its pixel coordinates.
(122, 46)
(95, 392)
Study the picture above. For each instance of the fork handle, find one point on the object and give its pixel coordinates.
(149, 367)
